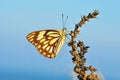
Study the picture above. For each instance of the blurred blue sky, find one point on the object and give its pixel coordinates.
(20, 60)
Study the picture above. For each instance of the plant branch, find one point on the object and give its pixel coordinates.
(79, 49)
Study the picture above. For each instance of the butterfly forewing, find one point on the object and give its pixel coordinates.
(47, 42)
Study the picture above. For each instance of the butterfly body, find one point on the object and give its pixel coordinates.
(48, 42)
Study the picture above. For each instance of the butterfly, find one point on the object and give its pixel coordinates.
(48, 42)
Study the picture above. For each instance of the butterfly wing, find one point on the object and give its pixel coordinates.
(47, 42)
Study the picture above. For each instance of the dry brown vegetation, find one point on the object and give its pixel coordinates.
(79, 50)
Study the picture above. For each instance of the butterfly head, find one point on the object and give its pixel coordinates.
(64, 31)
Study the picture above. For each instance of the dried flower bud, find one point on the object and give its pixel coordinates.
(84, 60)
(80, 77)
(74, 53)
(72, 34)
(84, 68)
(86, 18)
(72, 42)
(87, 46)
(76, 31)
(83, 74)
(96, 12)
(78, 59)
(84, 49)
(80, 43)
(77, 70)
(74, 48)
(80, 53)
(92, 69)
(92, 76)
(69, 44)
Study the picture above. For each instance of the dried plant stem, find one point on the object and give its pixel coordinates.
(79, 49)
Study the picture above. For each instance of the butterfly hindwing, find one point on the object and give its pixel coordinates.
(47, 42)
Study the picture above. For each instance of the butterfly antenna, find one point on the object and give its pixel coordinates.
(63, 21)
(66, 20)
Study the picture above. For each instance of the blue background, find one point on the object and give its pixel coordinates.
(19, 60)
